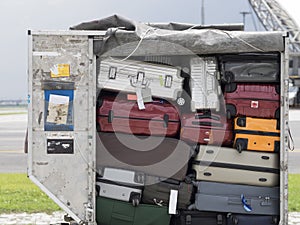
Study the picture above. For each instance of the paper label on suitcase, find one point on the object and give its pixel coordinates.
(173, 202)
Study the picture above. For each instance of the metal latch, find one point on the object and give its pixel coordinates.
(266, 201)
(112, 72)
(168, 81)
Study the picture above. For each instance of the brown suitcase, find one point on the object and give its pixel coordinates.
(158, 156)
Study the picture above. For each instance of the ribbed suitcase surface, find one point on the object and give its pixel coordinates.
(121, 115)
(164, 81)
(204, 85)
(254, 100)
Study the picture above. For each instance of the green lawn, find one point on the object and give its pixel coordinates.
(294, 192)
(19, 194)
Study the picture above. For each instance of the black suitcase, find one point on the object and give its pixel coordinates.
(241, 219)
(249, 68)
(157, 191)
(192, 217)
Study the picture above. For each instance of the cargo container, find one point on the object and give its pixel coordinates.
(63, 71)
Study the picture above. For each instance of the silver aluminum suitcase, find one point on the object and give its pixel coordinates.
(163, 81)
(227, 165)
(233, 198)
(120, 184)
(204, 85)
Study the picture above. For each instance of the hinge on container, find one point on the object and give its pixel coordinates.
(89, 211)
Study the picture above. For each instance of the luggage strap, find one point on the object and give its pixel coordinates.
(291, 140)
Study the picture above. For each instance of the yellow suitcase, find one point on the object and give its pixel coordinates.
(256, 134)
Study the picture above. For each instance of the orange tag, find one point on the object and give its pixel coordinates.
(131, 97)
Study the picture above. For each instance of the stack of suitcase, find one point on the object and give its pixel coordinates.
(197, 149)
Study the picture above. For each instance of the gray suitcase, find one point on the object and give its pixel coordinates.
(221, 164)
(250, 68)
(233, 198)
(120, 184)
(205, 88)
(164, 81)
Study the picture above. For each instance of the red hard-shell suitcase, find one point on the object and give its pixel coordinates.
(117, 114)
(254, 100)
(206, 128)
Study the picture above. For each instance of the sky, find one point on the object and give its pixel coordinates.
(17, 17)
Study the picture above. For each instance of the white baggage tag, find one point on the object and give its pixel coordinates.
(173, 202)
(139, 96)
(147, 95)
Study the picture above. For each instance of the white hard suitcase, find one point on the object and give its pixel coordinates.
(120, 184)
(227, 165)
(164, 81)
(204, 85)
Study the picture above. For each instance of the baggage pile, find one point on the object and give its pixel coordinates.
(196, 144)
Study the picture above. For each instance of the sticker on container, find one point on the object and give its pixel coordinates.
(60, 70)
(58, 109)
(60, 146)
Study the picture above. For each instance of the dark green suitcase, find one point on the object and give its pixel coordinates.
(114, 212)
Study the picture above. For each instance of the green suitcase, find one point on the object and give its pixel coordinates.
(114, 212)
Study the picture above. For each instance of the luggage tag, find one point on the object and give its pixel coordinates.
(173, 201)
(147, 95)
(139, 96)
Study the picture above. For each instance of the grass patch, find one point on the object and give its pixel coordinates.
(294, 192)
(18, 194)
(12, 113)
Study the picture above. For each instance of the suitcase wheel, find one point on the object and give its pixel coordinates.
(230, 111)
(135, 201)
(188, 179)
(228, 77)
(241, 122)
(241, 144)
(135, 198)
(180, 101)
(235, 220)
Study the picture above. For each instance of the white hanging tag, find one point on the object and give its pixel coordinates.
(173, 202)
(139, 96)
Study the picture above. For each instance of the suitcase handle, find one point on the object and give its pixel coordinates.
(197, 116)
(208, 124)
(166, 120)
(110, 116)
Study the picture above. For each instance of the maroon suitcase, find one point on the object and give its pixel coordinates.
(117, 114)
(253, 100)
(206, 128)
